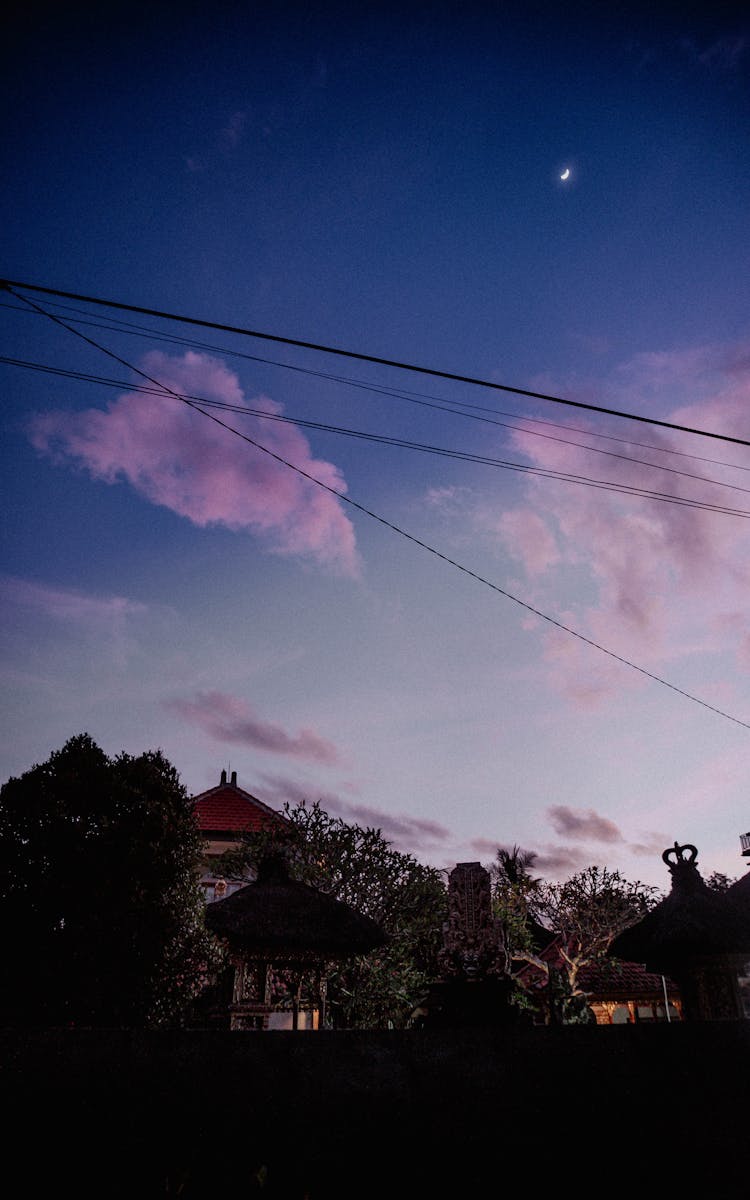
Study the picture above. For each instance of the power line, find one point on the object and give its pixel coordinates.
(622, 488)
(439, 403)
(8, 284)
(396, 528)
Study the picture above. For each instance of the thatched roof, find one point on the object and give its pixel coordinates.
(740, 889)
(692, 922)
(278, 917)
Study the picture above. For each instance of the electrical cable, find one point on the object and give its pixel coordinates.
(397, 529)
(8, 284)
(440, 404)
(625, 489)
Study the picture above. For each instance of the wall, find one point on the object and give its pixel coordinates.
(417, 1113)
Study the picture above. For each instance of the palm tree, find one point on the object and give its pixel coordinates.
(514, 900)
(513, 867)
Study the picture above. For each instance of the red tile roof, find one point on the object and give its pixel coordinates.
(621, 979)
(612, 978)
(229, 809)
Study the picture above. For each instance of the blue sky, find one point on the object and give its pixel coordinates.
(389, 183)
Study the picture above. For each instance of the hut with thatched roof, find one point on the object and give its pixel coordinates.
(280, 935)
(698, 936)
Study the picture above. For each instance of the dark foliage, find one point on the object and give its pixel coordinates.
(101, 912)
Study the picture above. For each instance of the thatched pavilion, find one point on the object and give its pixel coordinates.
(280, 935)
(699, 937)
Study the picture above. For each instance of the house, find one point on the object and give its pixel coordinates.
(224, 814)
(280, 934)
(622, 993)
(615, 991)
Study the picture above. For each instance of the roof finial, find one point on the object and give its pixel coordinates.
(681, 854)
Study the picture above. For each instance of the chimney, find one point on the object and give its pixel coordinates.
(234, 779)
(223, 778)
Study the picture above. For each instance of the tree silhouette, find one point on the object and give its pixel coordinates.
(102, 914)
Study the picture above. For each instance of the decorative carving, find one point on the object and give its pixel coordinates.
(472, 940)
(251, 983)
(473, 992)
(680, 855)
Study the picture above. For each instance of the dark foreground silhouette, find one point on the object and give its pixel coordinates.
(413, 1114)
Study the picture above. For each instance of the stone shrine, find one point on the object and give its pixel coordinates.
(473, 991)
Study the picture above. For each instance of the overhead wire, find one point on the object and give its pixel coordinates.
(409, 444)
(440, 403)
(395, 528)
(447, 406)
(10, 284)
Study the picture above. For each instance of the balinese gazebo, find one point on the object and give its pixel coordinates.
(281, 935)
(697, 936)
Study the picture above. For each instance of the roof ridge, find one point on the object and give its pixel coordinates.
(241, 793)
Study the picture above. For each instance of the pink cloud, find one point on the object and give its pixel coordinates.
(229, 719)
(527, 534)
(653, 844)
(185, 462)
(560, 861)
(649, 580)
(403, 829)
(410, 835)
(440, 497)
(485, 847)
(583, 824)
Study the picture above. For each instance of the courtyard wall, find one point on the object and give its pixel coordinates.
(410, 1113)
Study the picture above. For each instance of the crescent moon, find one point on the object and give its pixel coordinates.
(566, 173)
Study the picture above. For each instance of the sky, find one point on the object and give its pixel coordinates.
(468, 616)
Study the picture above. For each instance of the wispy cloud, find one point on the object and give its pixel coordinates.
(224, 142)
(583, 824)
(652, 845)
(559, 862)
(401, 828)
(486, 848)
(231, 134)
(230, 719)
(185, 462)
(439, 496)
(43, 621)
(528, 532)
(64, 604)
(279, 790)
(723, 54)
(410, 835)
